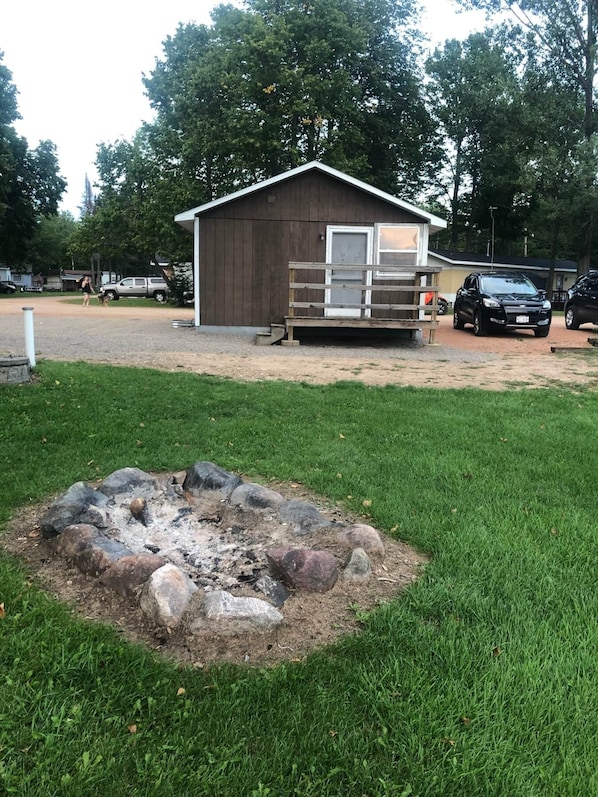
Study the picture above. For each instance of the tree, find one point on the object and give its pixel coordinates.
(283, 83)
(475, 97)
(88, 201)
(30, 184)
(259, 92)
(565, 33)
(131, 225)
(50, 244)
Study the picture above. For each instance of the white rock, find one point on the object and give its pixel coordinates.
(166, 595)
(228, 615)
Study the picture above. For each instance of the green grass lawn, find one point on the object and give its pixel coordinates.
(480, 680)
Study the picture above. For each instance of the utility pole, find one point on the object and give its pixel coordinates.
(492, 208)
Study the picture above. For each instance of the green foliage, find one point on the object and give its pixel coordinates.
(479, 680)
(30, 186)
(51, 242)
(180, 282)
(562, 45)
(476, 98)
(259, 92)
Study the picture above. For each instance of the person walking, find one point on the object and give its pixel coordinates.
(87, 289)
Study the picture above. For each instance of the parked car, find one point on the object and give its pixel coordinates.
(144, 287)
(7, 287)
(442, 302)
(581, 304)
(501, 300)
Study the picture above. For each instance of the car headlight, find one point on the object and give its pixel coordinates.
(490, 303)
(546, 304)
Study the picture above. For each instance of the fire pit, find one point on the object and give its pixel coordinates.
(207, 560)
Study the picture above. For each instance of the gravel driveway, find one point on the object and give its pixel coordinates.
(145, 337)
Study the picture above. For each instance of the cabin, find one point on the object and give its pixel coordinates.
(312, 248)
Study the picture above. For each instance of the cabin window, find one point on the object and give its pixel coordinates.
(397, 245)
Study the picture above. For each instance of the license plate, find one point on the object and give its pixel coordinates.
(522, 319)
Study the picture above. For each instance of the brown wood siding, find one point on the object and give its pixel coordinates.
(247, 244)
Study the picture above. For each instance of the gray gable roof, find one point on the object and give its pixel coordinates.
(186, 218)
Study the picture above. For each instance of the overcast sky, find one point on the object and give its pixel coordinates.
(77, 67)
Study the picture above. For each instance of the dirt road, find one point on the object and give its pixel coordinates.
(145, 337)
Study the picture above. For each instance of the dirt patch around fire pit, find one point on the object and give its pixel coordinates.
(311, 620)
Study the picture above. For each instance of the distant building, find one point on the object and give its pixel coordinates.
(457, 265)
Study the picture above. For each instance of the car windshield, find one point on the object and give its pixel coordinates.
(497, 285)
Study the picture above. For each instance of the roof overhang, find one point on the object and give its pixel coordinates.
(187, 218)
(485, 264)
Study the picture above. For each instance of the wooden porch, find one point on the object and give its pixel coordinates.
(386, 297)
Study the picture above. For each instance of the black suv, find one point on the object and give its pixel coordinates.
(495, 300)
(581, 304)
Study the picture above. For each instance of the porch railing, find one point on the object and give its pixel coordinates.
(408, 281)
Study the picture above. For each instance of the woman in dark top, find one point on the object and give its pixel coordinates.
(87, 289)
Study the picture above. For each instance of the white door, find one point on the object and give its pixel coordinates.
(351, 245)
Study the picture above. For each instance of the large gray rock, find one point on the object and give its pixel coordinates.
(358, 568)
(70, 508)
(98, 555)
(166, 594)
(207, 476)
(360, 535)
(274, 590)
(302, 517)
(303, 568)
(127, 481)
(97, 516)
(229, 615)
(73, 539)
(255, 496)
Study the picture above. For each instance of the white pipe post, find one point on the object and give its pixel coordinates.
(29, 337)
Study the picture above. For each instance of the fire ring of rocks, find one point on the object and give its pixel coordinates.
(206, 552)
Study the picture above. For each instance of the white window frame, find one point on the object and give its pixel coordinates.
(420, 253)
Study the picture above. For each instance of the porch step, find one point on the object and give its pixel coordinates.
(183, 323)
(276, 333)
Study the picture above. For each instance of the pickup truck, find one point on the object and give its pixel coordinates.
(144, 287)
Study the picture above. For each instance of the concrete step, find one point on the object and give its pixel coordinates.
(276, 333)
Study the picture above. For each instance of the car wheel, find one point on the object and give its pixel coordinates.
(479, 330)
(571, 319)
(442, 308)
(457, 323)
(542, 332)
(160, 296)
(111, 296)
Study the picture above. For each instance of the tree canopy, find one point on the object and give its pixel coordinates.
(497, 131)
(562, 36)
(30, 184)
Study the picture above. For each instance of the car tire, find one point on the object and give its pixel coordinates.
(160, 296)
(571, 319)
(111, 296)
(457, 323)
(479, 330)
(541, 332)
